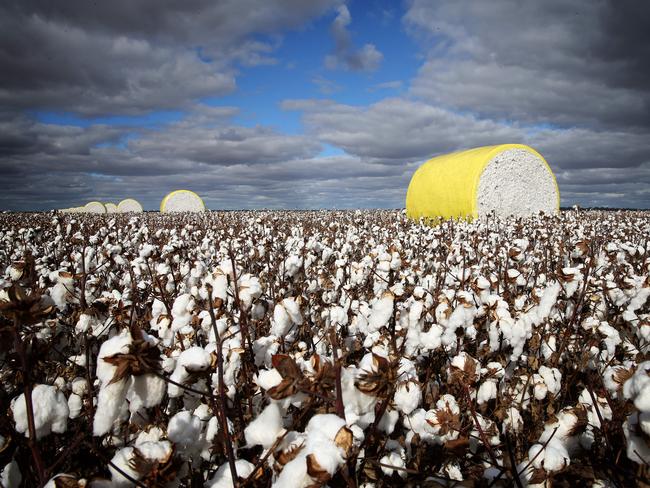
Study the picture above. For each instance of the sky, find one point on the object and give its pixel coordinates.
(287, 104)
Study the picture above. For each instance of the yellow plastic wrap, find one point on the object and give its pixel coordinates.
(163, 204)
(447, 186)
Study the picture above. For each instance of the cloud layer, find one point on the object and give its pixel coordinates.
(570, 79)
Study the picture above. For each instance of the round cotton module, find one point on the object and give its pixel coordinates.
(507, 180)
(110, 208)
(129, 205)
(95, 208)
(182, 201)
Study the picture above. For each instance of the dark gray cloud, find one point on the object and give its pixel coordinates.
(399, 131)
(345, 55)
(569, 78)
(568, 63)
(124, 57)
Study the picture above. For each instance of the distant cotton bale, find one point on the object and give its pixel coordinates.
(182, 201)
(110, 208)
(129, 205)
(507, 179)
(95, 208)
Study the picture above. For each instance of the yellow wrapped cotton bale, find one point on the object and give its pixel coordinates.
(182, 201)
(507, 179)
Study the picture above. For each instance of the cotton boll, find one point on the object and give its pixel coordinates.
(123, 460)
(50, 411)
(637, 388)
(393, 459)
(408, 397)
(382, 311)
(153, 434)
(282, 322)
(223, 477)
(513, 421)
(327, 425)
(192, 360)
(10, 477)
(548, 380)
(249, 290)
(181, 311)
(79, 386)
(487, 391)
(184, 430)
(553, 457)
(266, 428)
(75, 403)
(388, 421)
(110, 400)
(268, 378)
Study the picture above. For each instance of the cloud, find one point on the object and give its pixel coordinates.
(404, 132)
(345, 56)
(388, 85)
(397, 129)
(325, 85)
(123, 57)
(566, 63)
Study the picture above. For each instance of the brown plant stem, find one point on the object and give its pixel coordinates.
(221, 404)
(27, 390)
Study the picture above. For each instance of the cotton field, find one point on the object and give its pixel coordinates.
(305, 349)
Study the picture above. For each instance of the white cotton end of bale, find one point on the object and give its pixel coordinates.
(182, 201)
(95, 208)
(111, 208)
(129, 205)
(516, 183)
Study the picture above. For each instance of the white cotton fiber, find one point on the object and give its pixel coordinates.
(266, 428)
(50, 411)
(516, 182)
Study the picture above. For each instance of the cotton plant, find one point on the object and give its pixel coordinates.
(50, 409)
(126, 366)
(464, 335)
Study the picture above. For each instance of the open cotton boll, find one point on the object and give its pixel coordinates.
(548, 380)
(268, 378)
(192, 360)
(266, 427)
(382, 311)
(184, 430)
(637, 388)
(553, 457)
(637, 429)
(74, 406)
(327, 425)
(50, 411)
(338, 316)
(124, 458)
(223, 477)
(10, 477)
(444, 418)
(249, 289)
(487, 391)
(408, 396)
(182, 311)
(393, 459)
(513, 421)
(286, 314)
(110, 399)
